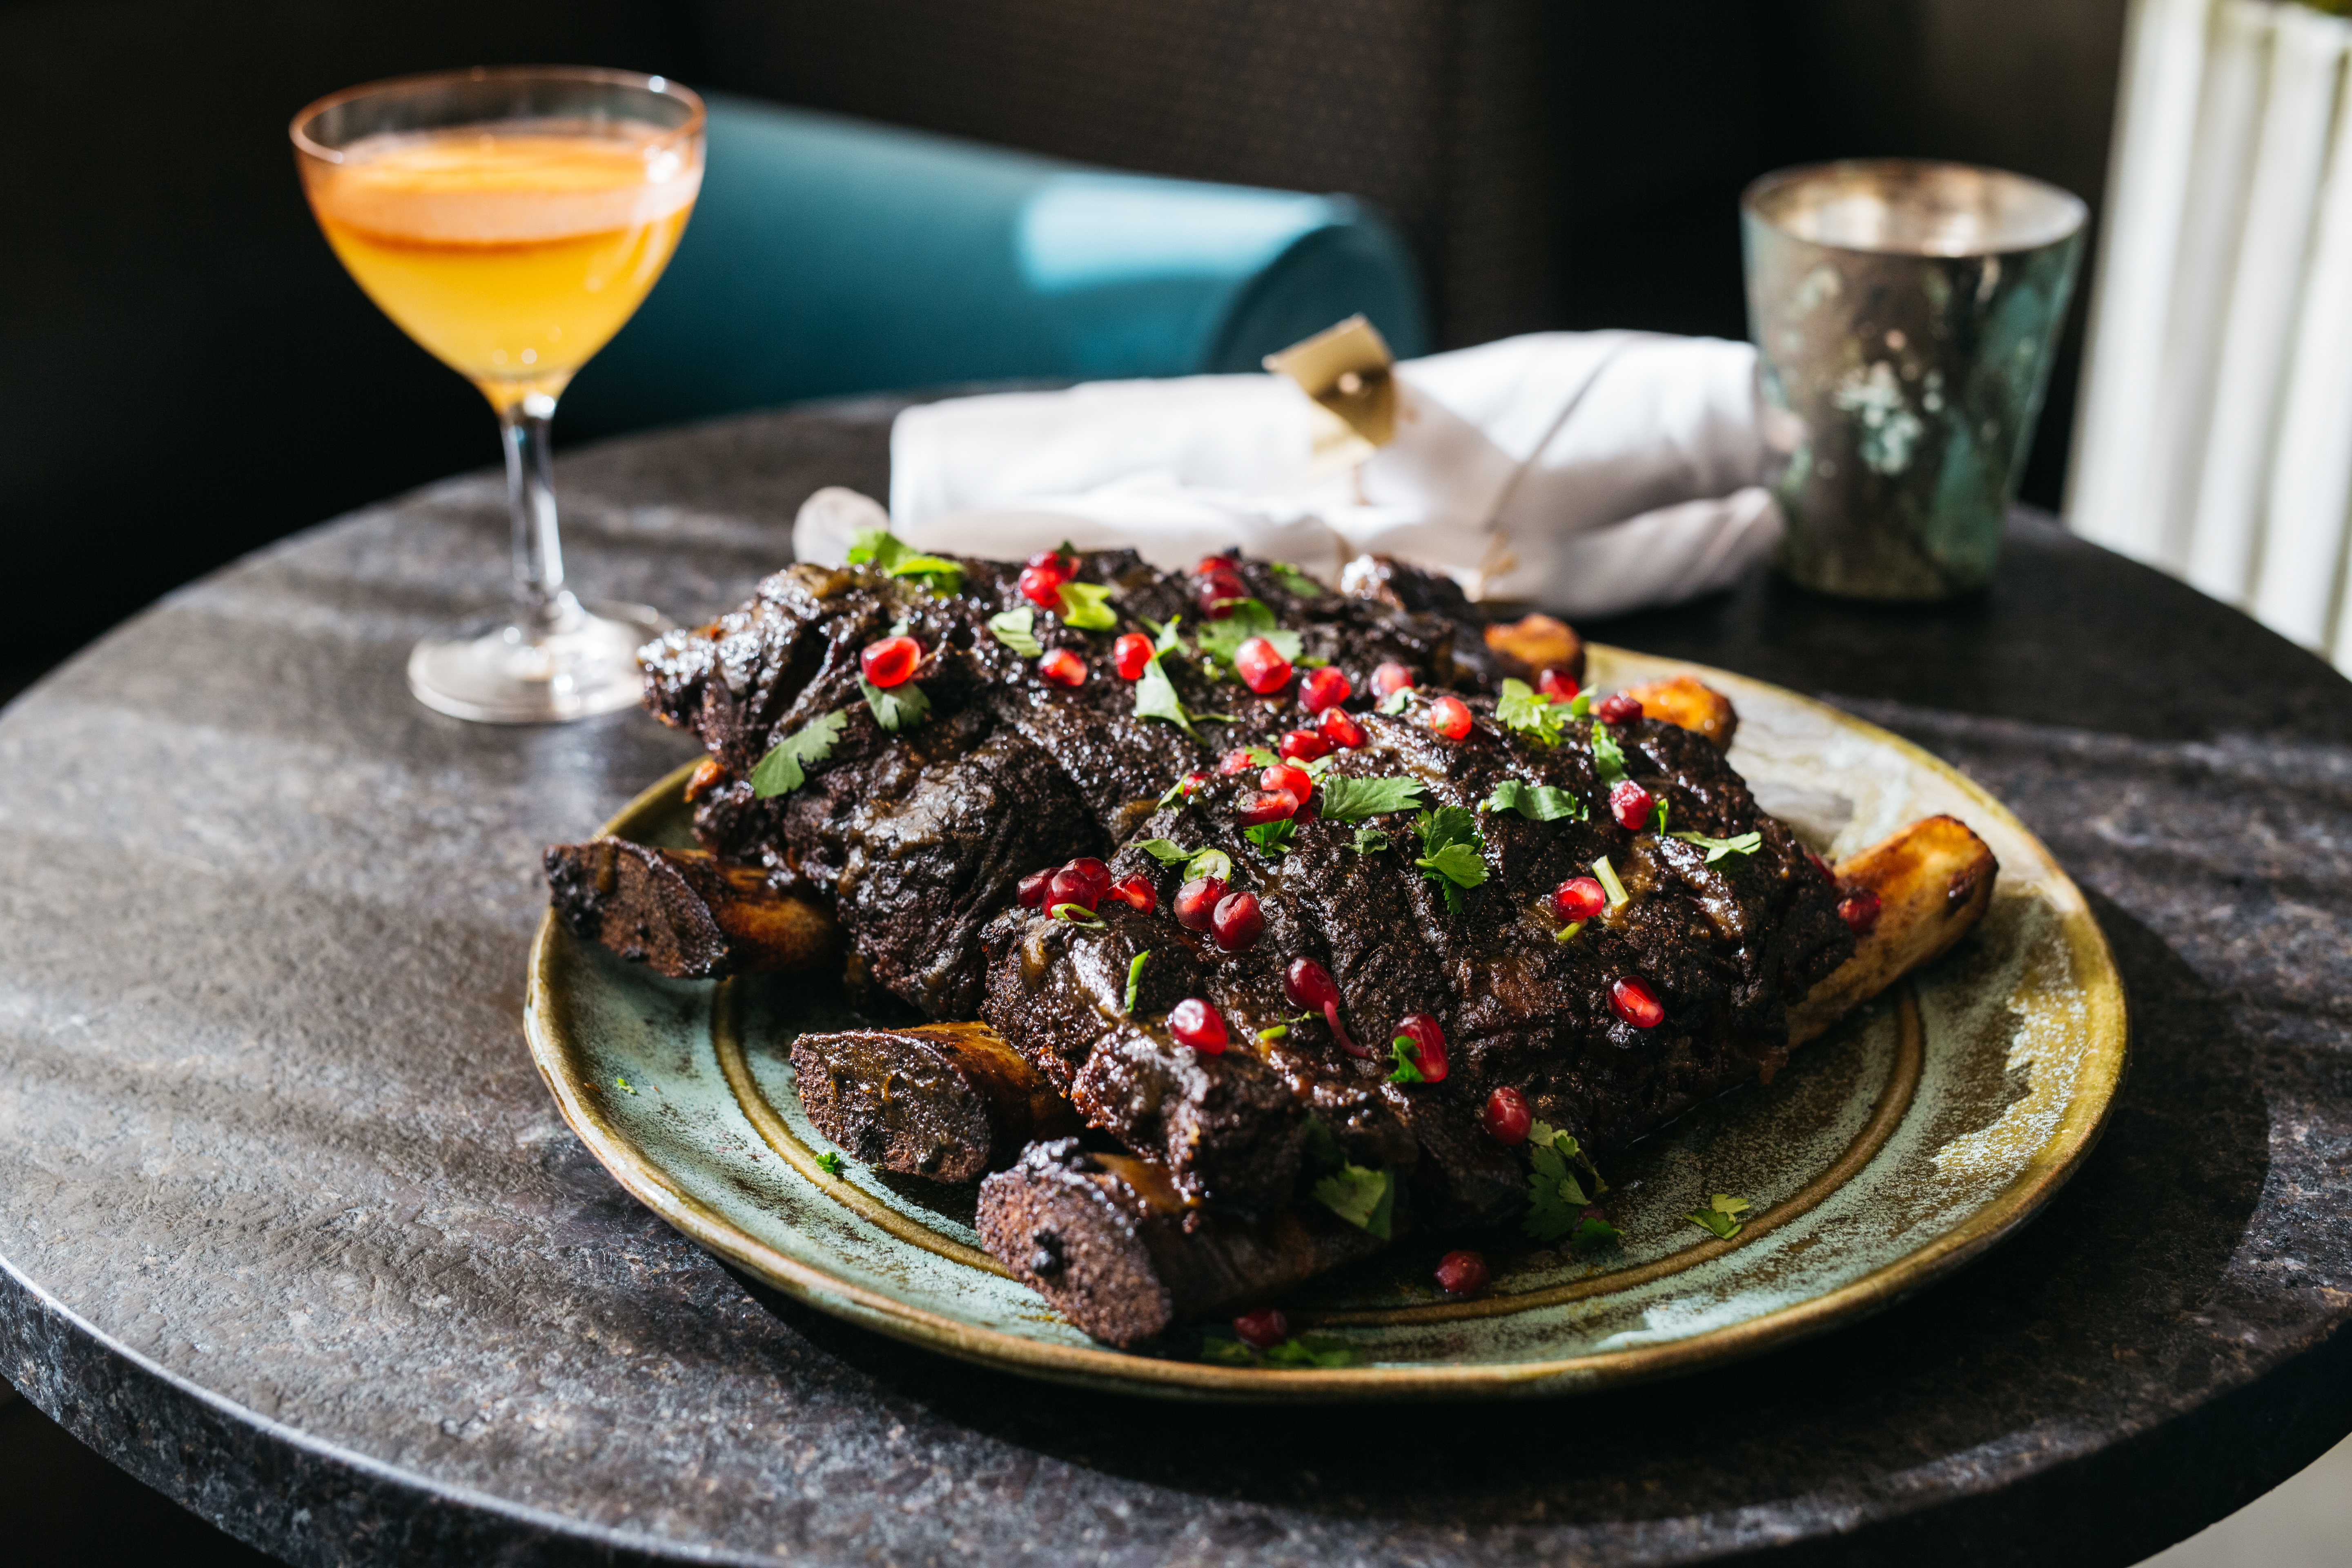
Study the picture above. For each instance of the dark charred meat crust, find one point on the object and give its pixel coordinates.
(950, 1101)
(684, 913)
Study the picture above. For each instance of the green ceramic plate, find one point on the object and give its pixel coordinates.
(1907, 1141)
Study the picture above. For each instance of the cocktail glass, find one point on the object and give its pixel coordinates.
(511, 221)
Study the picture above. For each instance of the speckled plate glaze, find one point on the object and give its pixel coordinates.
(1924, 1128)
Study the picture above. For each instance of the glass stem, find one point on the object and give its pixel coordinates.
(540, 602)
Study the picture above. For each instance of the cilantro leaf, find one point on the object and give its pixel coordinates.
(1155, 695)
(1225, 1351)
(1297, 582)
(1658, 814)
(1250, 619)
(1196, 862)
(1134, 979)
(829, 1163)
(1085, 607)
(1370, 841)
(785, 767)
(1523, 710)
(1608, 756)
(879, 547)
(1017, 629)
(1721, 1215)
(1261, 757)
(1352, 800)
(1408, 1064)
(1167, 851)
(1397, 701)
(1167, 639)
(1556, 1194)
(1594, 1232)
(1076, 914)
(1537, 803)
(1452, 854)
(1364, 1198)
(900, 707)
(1326, 1350)
(1181, 790)
(623, 1084)
(1321, 1147)
(1274, 837)
(1580, 705)
(1716, 848)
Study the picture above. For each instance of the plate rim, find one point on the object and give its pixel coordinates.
(2051, 1165)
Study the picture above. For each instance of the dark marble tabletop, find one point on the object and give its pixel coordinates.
(292, 1232)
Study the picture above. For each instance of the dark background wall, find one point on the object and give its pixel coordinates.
(188, 373)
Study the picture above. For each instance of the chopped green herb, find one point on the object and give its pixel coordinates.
(1618, 896)
(1580, 705)
(1721, 1215)
(1167, 851)
(1155, 696)
(880, 548)
(1557, 1194)
(1325, 1351)
(1658, 814)
(785, 767)
(1407, 1053)
(1297, 582)
(900, 707)
(1085, 605)
(1017, 629)
(1364, 1198)
(1196, 862)
(1523, 710)
(1261, 757)
(1452, 854)
(1537, 803)
(1076, 914)
(1275, 1032)
(1608, 756)
(829, 1163)
(1593, 1233)
(1321, 1147)
(1226, 1351)
(1250, 619)
(1274, 837)
(1181, 790)
(1370, 841)
(1352, 800)
(1716, 848)
(1397, 701)
(1134, 979)
(624, 1084)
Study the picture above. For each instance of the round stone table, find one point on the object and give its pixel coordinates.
(292, 1232)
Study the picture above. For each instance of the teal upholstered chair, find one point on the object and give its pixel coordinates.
(829, 256)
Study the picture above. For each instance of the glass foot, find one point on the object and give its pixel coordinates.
(585, 663)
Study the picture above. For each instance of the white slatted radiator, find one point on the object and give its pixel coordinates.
(2214, 438)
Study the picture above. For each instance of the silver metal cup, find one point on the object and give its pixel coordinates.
(1904, 315)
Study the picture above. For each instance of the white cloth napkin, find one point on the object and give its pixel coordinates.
(1589, 472)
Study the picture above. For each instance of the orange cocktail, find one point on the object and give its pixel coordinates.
(511, 255)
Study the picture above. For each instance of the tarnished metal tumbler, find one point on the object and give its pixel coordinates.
(1904, 315)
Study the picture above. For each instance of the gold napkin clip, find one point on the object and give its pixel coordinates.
(1345, 371)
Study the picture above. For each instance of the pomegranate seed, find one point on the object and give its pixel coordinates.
(1389, 679)
(1063, 566)
(1507, 1115)
(1062, 667)
(1262, 1330)
(1267, 806)
(1196, 1023)
(1429, 1043)
(1221, 589)
(1131, 653)
(889, 662)
(1308, 984)
(1042, 586)
(1069, 887)
(1097, 874)
(1237, 761)
(1216, 565)
(1578, 899)
(1340, 730)
(1461, 1273)
(1635, 1003)
(1236, 921)
(1859, 910)
(1450, 717)
(1304, 745)
(1558, 685)
(1323, 689)
(1137, 892)
(1282, 775)
(1619, 709)
(1261, 667)
(1196, 903)
(1629, 803)
(1033, 889)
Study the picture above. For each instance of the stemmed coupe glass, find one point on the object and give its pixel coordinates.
(511, 221)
